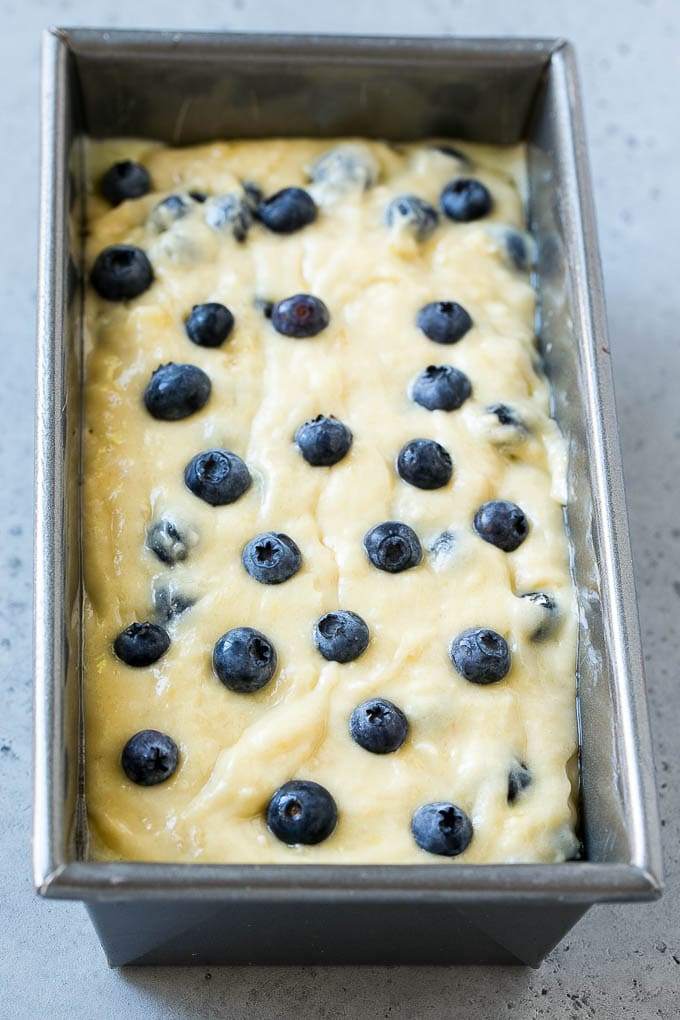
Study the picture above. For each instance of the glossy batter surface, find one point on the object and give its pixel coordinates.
(235, 749)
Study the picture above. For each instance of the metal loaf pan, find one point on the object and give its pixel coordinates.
(186, 88)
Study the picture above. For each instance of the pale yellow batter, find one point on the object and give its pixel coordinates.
(236, 749)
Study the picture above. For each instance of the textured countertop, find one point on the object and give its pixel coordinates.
(619, 962)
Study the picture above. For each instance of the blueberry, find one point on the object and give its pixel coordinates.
(549, 604)
(506, 415)
(445, 322)
(323, 441)
(441, 388)
(443, 545)
(393, 547)
(170, 604)
(217, 476)
(176, 391)
(121, 272)
(378, 726)
(409, 212)
(341, 636)
(126, 179)
(141, 644)
(271, 558)
(165, 540)
(465, 199)
(209, 324)
(480, 655)
(502, 524)
(230, 214)
(442, 828)
(264, 305)
(517, 250)
(168, 211)
(345, 167)
(198, 196)
(302, 812)
(287, 211)
(149, 758)
(253, 195)
(244, 660)
(300, 316)
(425, 464)
(519, 778)
(450, 150)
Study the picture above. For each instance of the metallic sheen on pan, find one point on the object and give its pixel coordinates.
(105, 83)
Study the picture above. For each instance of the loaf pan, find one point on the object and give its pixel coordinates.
(187, 88)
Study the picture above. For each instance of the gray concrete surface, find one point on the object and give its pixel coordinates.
(619, 962)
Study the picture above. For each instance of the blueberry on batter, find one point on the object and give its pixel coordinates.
(168, 211)
(323, 441)
(141, 644)
(549, 604)
(517, 250)
(413, 214)
(149, 758)
(287, 211)
(244, 660)
(345, 167)
(253, 195)
(302, 812)
(378, 726)
(217, 476)
(176, 391)
(501, 523)
(393, 547)
(480, 655)
(271, 558)
(123, 180)
(165, 540)
(445, 322)
(209, 325)
(465, 199)
(341, 636)
(169, 603)
(231, 214)
(121, 272)
(425, 464)
(442, 828)
(519, 778)
(300, 316)
(441, 388)
(506, 415)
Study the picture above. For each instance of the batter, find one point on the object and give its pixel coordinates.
(474, 767)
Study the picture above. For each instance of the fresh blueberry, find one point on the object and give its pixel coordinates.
(393, 546)
(209, 324)
(549, 605)
(519, 778)
(149, 758)
(141, 644)
(443, 545)
(168, 211)
(378, 726)
(465, 199)
(217, 476)
(414, 214)
(198, 196)
(425, 464)
(302, 812)
(341, 636)
(449, 150)
(170, 603)
(517, 250)
(300, 316)
(323, 441)
(288, 210)
(502, 524)
(166, 540)
(480, 655)
(244, 660)
(176, 391)
(126, 179)
(345, 167)
(230, 214)
(445, 322)
(271, 558)
(441, 388)
(506, 415)
(442, 828)
(121, 272)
